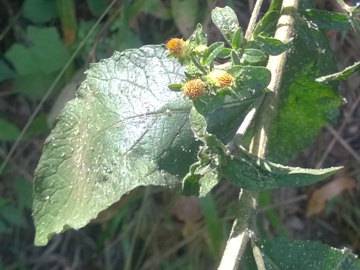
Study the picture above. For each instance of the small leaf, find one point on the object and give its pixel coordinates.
(237, 40)
(198, 125)
(253, 173)
(267, 25)
(326, 20)
(342, 75)
(39, 11)
(196, 184)
(8, 131)
(284, 253)
(255, 78)
(272, 46)
(175, 87)
(212, 52)
(253, 56)
(210, 178)
(235, 70)
(198, 37)
(226, 20)
(191, 182)
(235, 59)
(207, 104)
(224, 122)
(204, 174)
(46, 50)
(225, 53)
(97, 7)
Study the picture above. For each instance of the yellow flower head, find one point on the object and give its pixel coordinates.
(176, 46)
(220, 78)
(194, 88)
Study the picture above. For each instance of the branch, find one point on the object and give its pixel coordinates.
(253, 19)
(248, 200)
(276, 65)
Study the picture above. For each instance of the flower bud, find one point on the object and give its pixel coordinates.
(220, 78)
(194, 88)
(200, 49)
(176, 46)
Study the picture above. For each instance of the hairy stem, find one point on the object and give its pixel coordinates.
(241, 232)
(253, 19)
(276, 64)
(236, 140)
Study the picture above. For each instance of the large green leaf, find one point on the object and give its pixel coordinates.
(305, 105)
(252, 173)
(125, 129)
(326, 20)
(284, 253)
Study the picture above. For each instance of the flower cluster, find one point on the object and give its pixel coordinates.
(202, 79)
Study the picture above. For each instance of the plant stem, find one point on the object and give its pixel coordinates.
(236, 140)
(276, 64)
(253, 19)
(198, 65)
(248, 200)
(351, 12)
(344, 6)
(240, 233)
(257, 256)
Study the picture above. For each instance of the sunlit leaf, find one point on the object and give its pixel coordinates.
(252, 173)
(125, 129)
(225, 19)
(284, 253)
